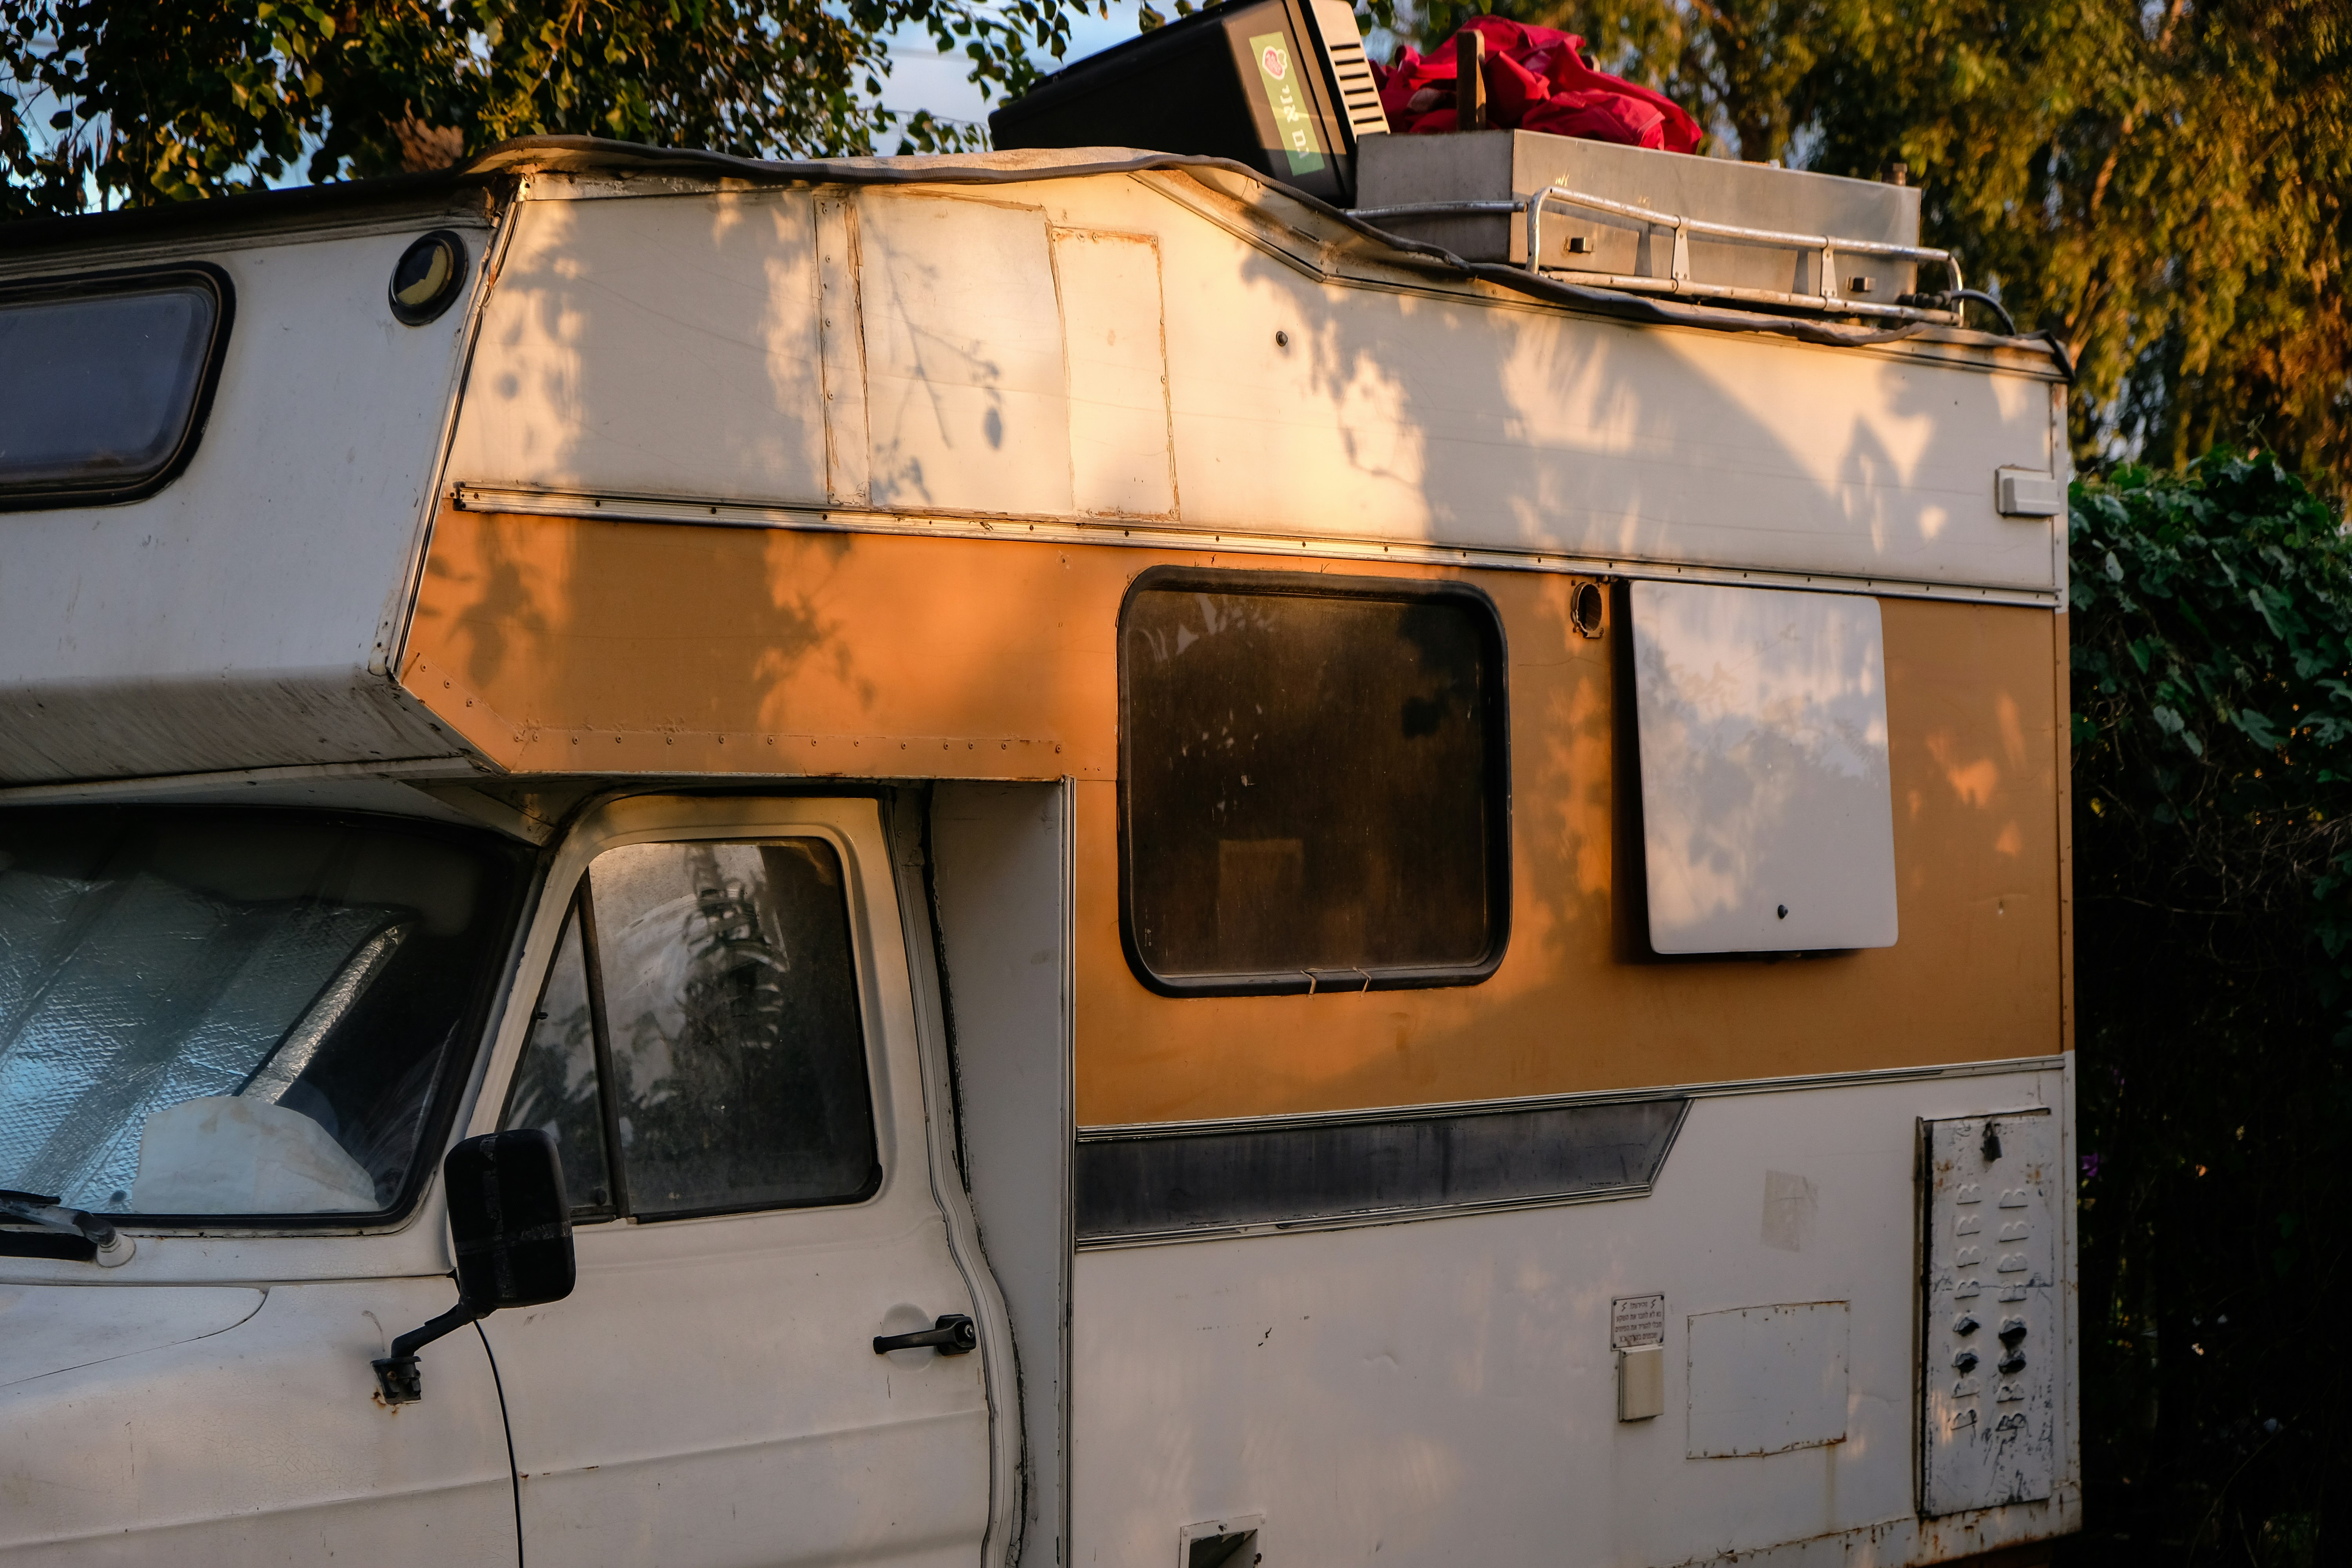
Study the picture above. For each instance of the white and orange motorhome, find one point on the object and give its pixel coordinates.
(1427, 908)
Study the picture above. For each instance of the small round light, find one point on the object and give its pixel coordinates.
(430, 274)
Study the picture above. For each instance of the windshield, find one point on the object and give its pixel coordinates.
(207, 1013)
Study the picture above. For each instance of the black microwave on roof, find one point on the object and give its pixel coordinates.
(1280, 85)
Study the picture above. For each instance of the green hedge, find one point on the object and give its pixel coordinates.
(2212, 729)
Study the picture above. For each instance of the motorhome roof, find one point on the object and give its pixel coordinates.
(476, 187)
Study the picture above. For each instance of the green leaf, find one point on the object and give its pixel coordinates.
(2259, 729)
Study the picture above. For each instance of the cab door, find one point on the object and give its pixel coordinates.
(725, 1049)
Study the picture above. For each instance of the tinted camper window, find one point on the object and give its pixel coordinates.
(1314, 784)
(107, 383)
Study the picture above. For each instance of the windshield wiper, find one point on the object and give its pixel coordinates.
(114, 1247)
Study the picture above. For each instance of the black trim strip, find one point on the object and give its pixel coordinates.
(1162, 1186)
(47, 1244)
(599, 1038)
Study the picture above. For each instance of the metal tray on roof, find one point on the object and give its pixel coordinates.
(1656, 221)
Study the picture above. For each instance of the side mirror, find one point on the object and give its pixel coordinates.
(510, 1223)
(510, 1219)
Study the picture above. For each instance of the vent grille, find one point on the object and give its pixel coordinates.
(1352, 70)
(1358, 91)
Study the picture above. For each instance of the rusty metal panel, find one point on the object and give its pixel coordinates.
(1989, 1342)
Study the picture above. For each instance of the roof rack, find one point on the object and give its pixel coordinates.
(1915, 307)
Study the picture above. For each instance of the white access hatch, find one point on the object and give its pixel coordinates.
(1767, 824)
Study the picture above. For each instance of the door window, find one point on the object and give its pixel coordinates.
(557, 1085)
(698, 1047)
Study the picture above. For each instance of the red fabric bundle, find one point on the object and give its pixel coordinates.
(1535, 80)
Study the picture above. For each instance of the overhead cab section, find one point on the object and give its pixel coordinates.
(224, 432)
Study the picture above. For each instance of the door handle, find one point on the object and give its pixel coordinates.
(953, 1335)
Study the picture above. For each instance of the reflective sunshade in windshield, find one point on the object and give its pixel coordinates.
(106, 382)
(220, 1013)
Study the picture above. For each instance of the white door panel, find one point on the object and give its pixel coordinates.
(1002, 864)
(725, 1405)
(1991, 1373)
(709, 1395)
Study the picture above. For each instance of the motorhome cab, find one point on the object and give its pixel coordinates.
(1043, 858)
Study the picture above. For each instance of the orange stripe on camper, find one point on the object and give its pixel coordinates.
(593, 646)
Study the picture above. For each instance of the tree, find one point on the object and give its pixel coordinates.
(2212, 697)
(2163, 185)
(125, 102)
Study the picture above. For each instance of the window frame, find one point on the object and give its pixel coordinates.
(1497, 730)
(568, 891)
(89, 285)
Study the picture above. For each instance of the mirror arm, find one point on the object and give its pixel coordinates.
(510, 1234)
(397, 1375)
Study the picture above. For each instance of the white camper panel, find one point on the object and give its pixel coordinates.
(667, 351)
(563, 390)
(1458, 1375)
(231, 620)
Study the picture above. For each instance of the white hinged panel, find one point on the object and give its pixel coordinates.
(967, 402)
(1109, 287)
(1767, 822)
(1763, 1380)
(1989, 1344)
(673, 1454)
